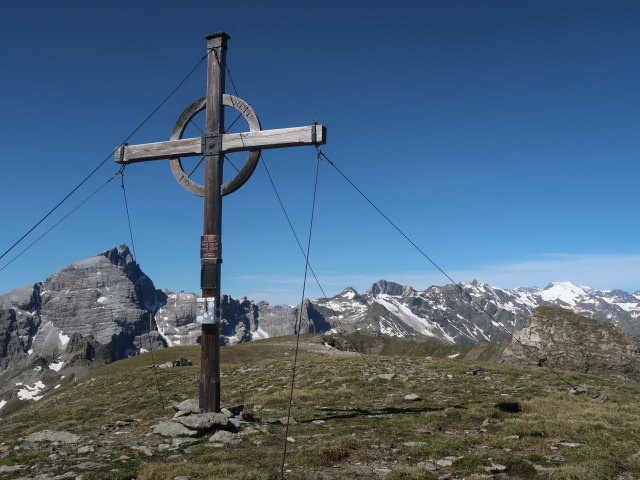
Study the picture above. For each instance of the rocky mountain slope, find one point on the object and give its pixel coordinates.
(105, 308)
(446, 314)
(438, 313)
(242, 320)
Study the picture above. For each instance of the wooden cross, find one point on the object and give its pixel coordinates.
(212, 146)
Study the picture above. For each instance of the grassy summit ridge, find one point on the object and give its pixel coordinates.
(510, 416)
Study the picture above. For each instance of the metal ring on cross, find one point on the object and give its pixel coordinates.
(252, 160)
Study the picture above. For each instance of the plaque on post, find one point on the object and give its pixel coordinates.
(206, 311)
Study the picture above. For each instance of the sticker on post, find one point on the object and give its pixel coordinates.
(206, 311)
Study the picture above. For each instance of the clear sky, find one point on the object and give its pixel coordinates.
(502, 136)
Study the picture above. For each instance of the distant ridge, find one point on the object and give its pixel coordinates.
(105, 308)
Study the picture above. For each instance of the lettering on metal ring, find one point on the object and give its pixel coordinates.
(242, 107)
(188, 115)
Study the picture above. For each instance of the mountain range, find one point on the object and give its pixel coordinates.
(105, 308)
(448, 315)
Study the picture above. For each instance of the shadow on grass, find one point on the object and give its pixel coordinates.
(337, 414)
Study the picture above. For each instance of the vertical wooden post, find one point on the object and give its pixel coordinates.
(210, 268)
(210, 145)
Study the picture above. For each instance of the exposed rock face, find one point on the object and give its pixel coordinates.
(446, 314)
(19, 321)
(85, 351)
(85, 315)
(176, 319)
(242, 320)
(106, 296)
(562, 339)
(281, 319)
(438, 313)
(383, 287)
(105, 308)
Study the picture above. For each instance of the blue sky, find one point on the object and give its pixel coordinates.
(502, 136)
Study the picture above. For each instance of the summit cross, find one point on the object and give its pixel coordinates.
(213, 145)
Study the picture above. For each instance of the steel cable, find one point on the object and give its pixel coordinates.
(135, 259)
(84, 180)
(298, 325)
(465, 294)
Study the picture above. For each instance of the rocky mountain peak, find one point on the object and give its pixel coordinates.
(123, 259)
(565, 292)
(384, 287)
(407, 291)
(348, 293)
(120, 257)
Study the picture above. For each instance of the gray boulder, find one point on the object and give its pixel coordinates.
(173, 429)
(204, 421)
(223, 436)
(52, 436)
(192, 405)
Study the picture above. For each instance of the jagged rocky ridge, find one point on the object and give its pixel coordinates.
(105, 308)
(446, 314)
(437, 313)
(242, 320)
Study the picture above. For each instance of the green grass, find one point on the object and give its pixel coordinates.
(366, 421)
(390, 346)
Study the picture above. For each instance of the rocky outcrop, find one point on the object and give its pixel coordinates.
(15, 336)
(86, 351)
(242, 320)
(559, 338)
(19, 322)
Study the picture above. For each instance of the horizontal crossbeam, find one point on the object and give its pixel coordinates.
(231, 142)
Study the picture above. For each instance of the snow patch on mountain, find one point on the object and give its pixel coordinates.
(259, 334)
(64, 339)
(31, 393)
(448, 314)
(56, 366)
(348, 293)
(564, 292)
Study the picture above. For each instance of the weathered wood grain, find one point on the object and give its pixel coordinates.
(282, 137)
(187, 147)
(231, 142)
